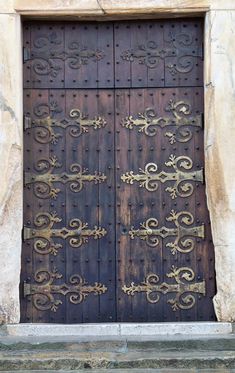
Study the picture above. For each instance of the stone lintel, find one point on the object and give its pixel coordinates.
(112, 7)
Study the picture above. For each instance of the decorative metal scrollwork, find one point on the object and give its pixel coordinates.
(180, 48)
(149, 178)
(47, 53)
(183, 287)
(78, 123)
(148, 121)
(44, 291)
(78, 233)
(183, 242)
(149, 54)
(43, 184)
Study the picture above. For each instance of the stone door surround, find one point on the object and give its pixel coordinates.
(219, 83)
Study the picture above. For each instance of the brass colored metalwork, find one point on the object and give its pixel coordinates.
(148, 121)
(181, 48)
(44, 235)
(149, 178)
(77, 124)
(43, 293)
(183, 242)
(182, 276)
(43, 184)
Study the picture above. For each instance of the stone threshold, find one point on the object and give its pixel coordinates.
(118, 329)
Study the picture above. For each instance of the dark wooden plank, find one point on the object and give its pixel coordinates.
(122, 43)
(123, 209)
(57, 98)
(155, 75)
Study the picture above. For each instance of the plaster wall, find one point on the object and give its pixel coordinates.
(219, 128)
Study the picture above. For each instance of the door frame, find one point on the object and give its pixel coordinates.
(220, 206)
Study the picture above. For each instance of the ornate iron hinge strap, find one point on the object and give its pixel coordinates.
(47, 53)
(183, 234)
(148, 121)
(77, 124)
(182, 276)
(78, 233)
(181, 48)
(43, 184)
(43, 293)
(149, 178)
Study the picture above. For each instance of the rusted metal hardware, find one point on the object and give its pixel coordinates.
(78, 124)
(184, 289)
(148, 122)
(78, 233)
(149, 178)
(44, 183)
(180, 48)
(48, 51)
(44, 291)
(183, 243)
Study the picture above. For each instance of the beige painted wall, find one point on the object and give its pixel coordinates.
(219, 129)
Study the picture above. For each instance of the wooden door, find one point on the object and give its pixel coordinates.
(116, 226)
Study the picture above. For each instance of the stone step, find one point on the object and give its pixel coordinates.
(115, 355)
(200, 360)
(223, 370)
(118, 344)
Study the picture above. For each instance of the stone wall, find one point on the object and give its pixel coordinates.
(219, 127)
(10, 166)
(220, 153)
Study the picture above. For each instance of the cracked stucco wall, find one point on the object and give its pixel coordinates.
(219, 129)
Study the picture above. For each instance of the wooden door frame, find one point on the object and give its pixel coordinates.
(12, 112)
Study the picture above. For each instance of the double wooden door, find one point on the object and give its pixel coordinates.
(116, 226)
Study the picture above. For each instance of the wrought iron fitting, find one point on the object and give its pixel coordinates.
(181, 178)
(183, 234)
(77, 123)
(27, 122)
(148, 121)
(44, 292)
(182, 50)
(183, 287)
(44, 183)
(44, 234)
